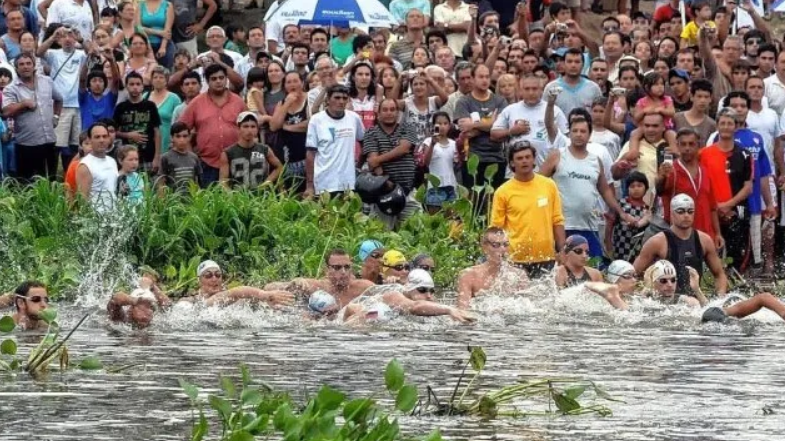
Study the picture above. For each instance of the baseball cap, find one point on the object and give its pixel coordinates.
(679, 73)
(682, 200)
(393, 258)
(618, 268)
(206, 265)
(245, 115)
(368, 247)
(419, 278)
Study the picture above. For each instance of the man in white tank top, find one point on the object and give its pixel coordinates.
(96, 177)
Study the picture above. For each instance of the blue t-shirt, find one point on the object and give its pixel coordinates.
(753, 143)
(92, 110)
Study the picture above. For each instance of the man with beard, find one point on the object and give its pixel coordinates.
(211, 290)
(598, 72)
(339, 284)
(30, 298)
(578, 91)
(494, 275)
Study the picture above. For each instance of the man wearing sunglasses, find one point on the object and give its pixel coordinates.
(213, 293)
(684, 247)
(30, 298)
(340, 283)
(415, 298)
(494, 275)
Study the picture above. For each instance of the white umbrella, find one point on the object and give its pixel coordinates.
(328, 12)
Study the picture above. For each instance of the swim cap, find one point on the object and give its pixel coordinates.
(661, 268)
(379, 313)
(145, 294)
(573, 242)
(419, 278)
(320, 301)
(393, 258)
(682, 200)
(206, 265)
(368, 247)
(618, 268)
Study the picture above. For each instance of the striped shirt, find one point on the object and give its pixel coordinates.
(400, 170)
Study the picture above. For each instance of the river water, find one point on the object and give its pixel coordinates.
(679, 380)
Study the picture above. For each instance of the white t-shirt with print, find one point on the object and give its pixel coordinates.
(334, 141)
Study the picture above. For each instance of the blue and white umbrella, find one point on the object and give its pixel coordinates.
(332, 12)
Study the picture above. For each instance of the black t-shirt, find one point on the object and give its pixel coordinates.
(248, 167)
(139, 117)
(739, 169)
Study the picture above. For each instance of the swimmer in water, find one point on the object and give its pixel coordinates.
(485, 276)
(340, 283)
(415, 298)
(138, 308)
(370, 255)
(621, 282)
(30, 298)
(395, 268)
(573, 270)
(735, 305)
(212, 292)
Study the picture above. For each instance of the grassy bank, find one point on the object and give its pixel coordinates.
(257, 237)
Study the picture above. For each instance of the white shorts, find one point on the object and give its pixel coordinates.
(68, 127)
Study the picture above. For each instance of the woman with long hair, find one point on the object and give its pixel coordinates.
(156, 17)
(138, 60)
(126, 26)
(389, 81)
(273, 95)
(290, 121)
(165, 100)
(420, 58)
(644, 52)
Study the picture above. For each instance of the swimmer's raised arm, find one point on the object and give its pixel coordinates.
(425, 308)
(609, 292)
(273, 298)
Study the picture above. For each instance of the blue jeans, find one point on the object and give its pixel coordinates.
(209, 175)
(8, 157)
(167, 60)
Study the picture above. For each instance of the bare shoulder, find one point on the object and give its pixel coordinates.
(594, 274)
(706, 242)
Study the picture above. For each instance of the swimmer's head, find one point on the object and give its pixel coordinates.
(576, 249)
(210, 277)
(141, 314)
(622, 274)
(420, 285)
(682, 211)
(321, 301)
(370, 248)
(379, 313)
(661, 278)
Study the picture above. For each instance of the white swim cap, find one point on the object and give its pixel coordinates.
(682, 200)
(320, 301)
(144, 294)
(661, 268)
(379, 313)
(419, 278)
(206, 265)
(618, 268)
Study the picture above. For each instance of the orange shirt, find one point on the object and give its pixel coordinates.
(70, 174)
(715, 162)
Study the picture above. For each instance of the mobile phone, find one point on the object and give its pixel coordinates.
(555, 91)
(619, 91)
(667, 158)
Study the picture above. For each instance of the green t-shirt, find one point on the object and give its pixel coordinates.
(341, 50)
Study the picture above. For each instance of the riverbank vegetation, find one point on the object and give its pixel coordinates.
(256, 237)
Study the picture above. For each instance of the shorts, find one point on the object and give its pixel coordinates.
(68, 127)
(436, 197)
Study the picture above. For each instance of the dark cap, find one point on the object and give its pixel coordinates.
(679, 73)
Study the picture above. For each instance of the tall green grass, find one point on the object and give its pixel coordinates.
(256, 237)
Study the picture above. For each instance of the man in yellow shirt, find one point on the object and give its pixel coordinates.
(528, 208)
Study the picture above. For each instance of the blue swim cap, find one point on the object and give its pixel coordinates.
(368, 247)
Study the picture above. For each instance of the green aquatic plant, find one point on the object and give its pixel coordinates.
(253, 410)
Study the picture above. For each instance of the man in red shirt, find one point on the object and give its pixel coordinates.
(213, 114)
(686, 175)
(666, 12)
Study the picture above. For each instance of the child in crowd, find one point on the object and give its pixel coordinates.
(179, 166)
(600, 134)
(626, 242)
(440, 155)
(85, 148)
(237, 36)
(702, 12)
(7, 148)
(655, 101)
(130, 184)
(254, 82)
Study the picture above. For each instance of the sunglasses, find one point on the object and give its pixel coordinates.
(428, 268)
(498, 244)
(610, 29)
(424, 290)
(211, 274)
(35, 299)
(346, 268)
(627, 276)
(665, 280)
(579, 251)
(376, 255)
(684, 211)
(404, 267)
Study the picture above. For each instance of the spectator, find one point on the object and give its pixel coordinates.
(191, 87)
(166, 102)
(215, 39)
(696, 117)
(775, 85)
(156, 18)
(97, 95)
(248, 164)
(30, 22)
(402, 50)
(212, 115)
(10, 40)
(32, 101)
(389, 147)
(625, 239)
(579, 91)
(290, 120)
(96, 177)
(652, 148)
(330, 140)
(453, 18)
(528, 207)
(256, 44)
(65, 64)
(399, 9)
(179, 166)
(186, 28)
(440, 155)
(76, 14)
(130, 184)
(139, 124)
(463, 74)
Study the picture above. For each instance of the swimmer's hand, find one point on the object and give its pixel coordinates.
(280, 298)
(462, 316)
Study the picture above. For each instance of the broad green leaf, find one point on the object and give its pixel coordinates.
(329, 399)
(257, 424)
(434, 180)
(282, 417)
(228, 386)
(575, 392)
(7, 324)
(190, 390)
(48, 315)
(8, 347)
(472, 164)
(488, 408)
(393, 376)
(565, 404)
(221, 406)
(241, 436)
(477, 358)
(91, 363)
(357, 410)
(406, 398)
(251, 397)
(245, 374)
(490, 171)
